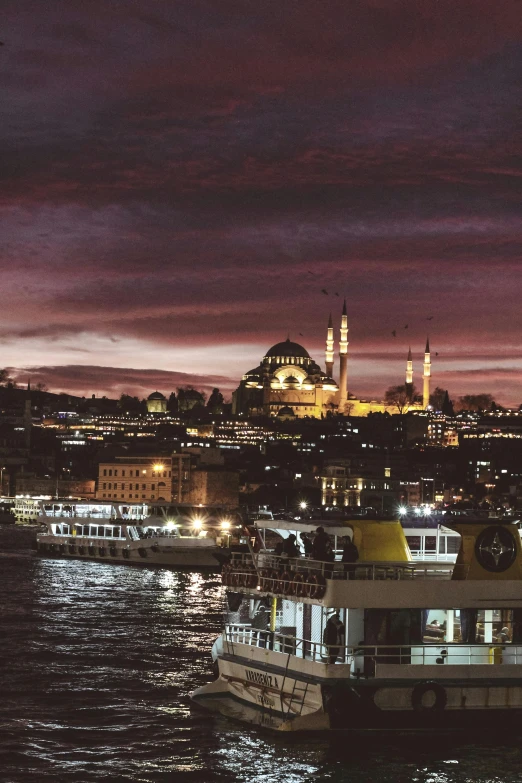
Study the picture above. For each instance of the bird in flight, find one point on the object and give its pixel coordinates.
(429, 318)
(406, 326)
(324, 291)
(394, 333)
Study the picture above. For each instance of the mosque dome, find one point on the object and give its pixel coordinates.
(287, 348)
(156, 396)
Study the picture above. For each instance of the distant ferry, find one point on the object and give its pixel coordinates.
(378, 642)
(180, 536)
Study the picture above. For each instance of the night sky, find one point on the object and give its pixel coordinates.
(181, 179)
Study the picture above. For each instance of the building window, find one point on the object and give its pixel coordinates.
(144, 486)
(105, 486)
(153, 486)
(137, 473)
(105, 471)
(123, 473)
(115, 472)
(110, 472)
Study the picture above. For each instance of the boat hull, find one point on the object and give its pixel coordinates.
(281, 700)
(190, 558)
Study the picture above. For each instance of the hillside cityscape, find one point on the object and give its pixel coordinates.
(405, 457)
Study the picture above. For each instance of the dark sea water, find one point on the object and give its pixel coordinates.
(97, 663)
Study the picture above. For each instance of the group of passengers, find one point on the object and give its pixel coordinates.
(318, 548)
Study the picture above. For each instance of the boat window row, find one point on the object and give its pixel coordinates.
(93, 531)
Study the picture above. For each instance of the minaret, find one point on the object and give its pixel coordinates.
(426, 376)
(343, 360)
(330, 349)
(409, 375)
(409, 369)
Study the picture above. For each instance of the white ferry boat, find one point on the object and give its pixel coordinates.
(413, 646)
(183, 537)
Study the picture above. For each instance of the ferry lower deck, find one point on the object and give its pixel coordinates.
(319, 645)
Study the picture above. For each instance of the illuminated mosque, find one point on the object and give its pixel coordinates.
(289, 384)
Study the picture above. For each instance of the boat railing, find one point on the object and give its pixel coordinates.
(266, 562)
(365, 658)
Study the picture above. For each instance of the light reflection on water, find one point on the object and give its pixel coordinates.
(97, 663)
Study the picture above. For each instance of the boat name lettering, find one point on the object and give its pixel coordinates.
(261, 679)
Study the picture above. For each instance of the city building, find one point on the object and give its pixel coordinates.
(145, 479)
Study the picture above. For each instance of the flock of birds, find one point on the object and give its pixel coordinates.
(335, 293)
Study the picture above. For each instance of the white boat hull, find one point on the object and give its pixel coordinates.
(130, 553)
(282, 699)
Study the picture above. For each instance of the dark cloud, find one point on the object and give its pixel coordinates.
(84, 380)
(171, 172)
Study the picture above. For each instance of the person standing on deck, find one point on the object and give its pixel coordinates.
(321, 546)
(333, 637)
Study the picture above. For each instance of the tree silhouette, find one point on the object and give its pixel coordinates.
(399, 397)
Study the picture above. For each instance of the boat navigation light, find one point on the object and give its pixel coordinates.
(427, 511)
(303, 505)
(197, 523)
(171, 524)
(225, 524)
(402, 510)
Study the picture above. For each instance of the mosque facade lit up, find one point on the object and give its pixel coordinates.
(289, 384)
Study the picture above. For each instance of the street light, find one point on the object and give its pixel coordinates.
(303, 505)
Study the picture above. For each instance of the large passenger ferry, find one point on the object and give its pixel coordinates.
(181, 536)
(382, 642)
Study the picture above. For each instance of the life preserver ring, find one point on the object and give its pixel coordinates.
(112, 551)
(81, 550)
(142, 552)
(101, 551)
(72, 549)
(125, 553)
(298, 586)
(316, 586)
(286, 582)
(437, 704)
(92, 550)
(62, 548)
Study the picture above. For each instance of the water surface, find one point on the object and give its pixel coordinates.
(97, 663)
